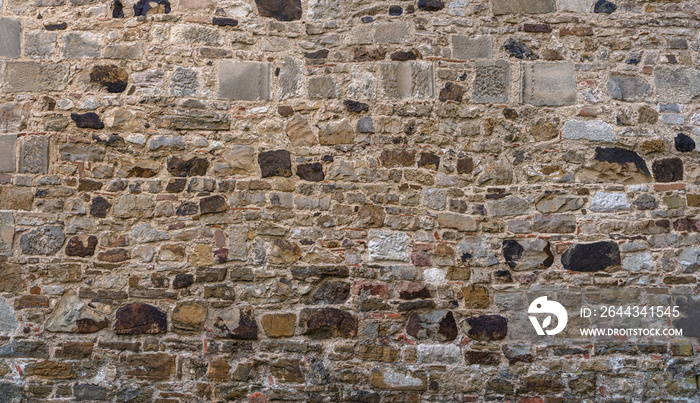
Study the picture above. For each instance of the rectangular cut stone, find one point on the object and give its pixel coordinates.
(237, 237)
(492, 82)
(478, 47)
(677, 85)
(34, 154)
(244, 80)
(592, 130)
(7, 232)
(10, 33)
(501, 7)
(408, 80)
(392, 32)
(39, 44)
(548, 83)
(124, 51)
(7, 152)
(576, 6)
(34, 76)
(78, 45)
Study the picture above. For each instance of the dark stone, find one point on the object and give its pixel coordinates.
(447, 327)
(285, 110)
(409, 295)
(482, 357)
(327, 322)
(319, 54)
(368, 55)
(12, 393)
(275, 163)
(366, 19)
(668, 170)
(43, 241)
(329, 293)
(394, 158)
(304, 272)
(311, 172)
(142, 6)
(246, 328)
(212, 204)
(465, 165)
(591, 257)
(431, 5)
(451, 92)
(646, 201)
(395, 10)
(187, 208)
(139, 318)
(488, 327)
(224, 22)
(354, 106)
(89, 392)
(515, 356)
(429, 160)
(519, 49)
(512, 252)
(88, 120)
(88, 185)
(117, 9)
(509, 113)
(684, 143)
(175, 185)
(113, 77)
(281, 10)
(24, 349)
(114, 255)
(438, 323)
(88, 325)
(404, 55)
(56, 27)
(621, 156)
(689, 320)
(686, 224)
(604, 6)
(537, 28)
(192, 167)
(183, 280)
(81, 245)
(99, 207)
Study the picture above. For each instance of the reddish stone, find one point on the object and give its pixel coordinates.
(139, 318)
(81, 246)
(488, 327)
(327, 322)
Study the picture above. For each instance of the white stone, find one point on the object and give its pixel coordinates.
(385, 245)
(439, 353)
(609, 201)
(397, 379)
(576, 6)
(144, 233)
(435, 276)
(641, 261)
(435, 199)
(593, 130)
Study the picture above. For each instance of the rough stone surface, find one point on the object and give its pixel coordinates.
(385, 245)
(492, 82)
(522, 6)
(275, 163)
(592, 130)
(34, 155)
(140, 318)
(10, 37)
(609, 201)
(465, 47)
(43, 241)
(591, 257)
(627, 87)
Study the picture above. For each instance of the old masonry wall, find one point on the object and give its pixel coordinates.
(326, 200)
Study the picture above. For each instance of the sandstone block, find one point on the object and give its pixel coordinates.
(7, 152)
(548, 83)
(34, 76)
(279, 325)
(501, 7)
(492, 82)
(10, 36)
(478, 47)
(408, 80)
(244, 80)
(78, 45)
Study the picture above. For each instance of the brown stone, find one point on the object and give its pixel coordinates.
(300, 133)
(482, 357)
(237, 323)
(275, 163)
(368, 55)
(284, 252)
(545, 129)
(311, 172)
(50, 369)
(212, 204)
(371, 216)
(16, 198)
(397, 158)
(279, 324)
(327, 322)
(373, 352)
(438, 324)
(488, 327)
(139, 318)
(465, 165)
(281, 10)
(112, 77)
(81, 246)
(191, 167)
(220, 370)
(114, 255)
(189, 317)
(451, 92)
(429, 160)
(476, 297)
(150, 367)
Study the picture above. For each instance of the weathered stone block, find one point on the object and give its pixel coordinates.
(8, 150)
(124, 51)
(281, 10)
(679, 85)
(43, 241)
(478, 47)
(244, 80)
(183, 82)
(197, 35)
(591, 257)
(34, 76)
(34, 154)
(492, 82)
(139, 318)
(391, 32)
(609, 201)
(592, 130)
(327, 322)
(7, 232)
(322, 87)
(275, 163)
(384, 245)
(10, 36)
(548, 83)
(627, 87)
(279, 324)
(396, 379)
(78, 45)
(39, 44)
(408, 80)
(576, 6)
(501, 7)
(333, 133)
(289, 78)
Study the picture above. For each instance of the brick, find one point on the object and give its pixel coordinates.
(244, 80)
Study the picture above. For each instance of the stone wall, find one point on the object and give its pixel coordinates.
(326, 200)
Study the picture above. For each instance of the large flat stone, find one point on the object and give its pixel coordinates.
(627, 87)
(576, 6)
(548, 83)
(34, 76)
(492, 82)
(244, 80)
(408, 80)
(501, 7)
(7, 232)
(385, 245)
(7, 152)
(593, 130)
(34, 154)
(10, 33)
(477, 47)
(391, 32)
(79, 45)
(676, 85)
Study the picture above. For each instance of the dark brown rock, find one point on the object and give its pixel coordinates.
(56, 27)
(509, 113)
(537, 28)
(89, 120)
(192, 167)
(81, 246)
(113, 255)
(482, 357)
(397, 158)
(451, 92)
(488, 327)
(465, 165)
(183, 280)
(237, 324)
(429, 160)
(404, 55)
(591, 257)
(329, 293)
(281, 10)
(187, 208)
(88, 185)
(368, 55)
(621, 156)
(175, 185)
(317, 55)
(415, 294)
(311, 172)
(224, 22)
(150, 367)
(438, 324)
(355, 106)
(285, 110)
(327, 322)
(213, 204)
(275, 163)
(431, 5)
(668, 170)
(139, 318)
(114, 78)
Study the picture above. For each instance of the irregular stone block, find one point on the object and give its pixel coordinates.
(197, 35)
(548, 83)
(89, 120)
(239, 160)
(139, 318)
(124, 51)
(201, 120)
(289, 78)
(609, 201)
(189, 317)
(668, 170)
(10, 36)
(397, 158)
(615, 164)
(591, 257)
(327, 323)
(275, 163)
(236, 323)
(488, 327)
(510, 206)
(627, 87)
(281, 10)
(113, 77)
(279, 324)
(72, 315)
(451, 92)
(592, 130)
(150, 367)
(43, 241)
(431, 5)
(384, 245)
(212, 204)
(7, 232)
(244, 80)
(78, 45)
(336, 132)
(491, 82)
(81, 246)
(576, 6)
(39, 44)
(439, 353)
(604, 6)
(500, 7)
(438, 324)
(8, 150)
(191, 167)
(8, 319)
(391, 32)
(324, 10)
(322, 87)
(329, 293)
(300, 133)
(311, 172)
(396, 379)
(408, 80)
(678, 85)
(34, 76)
(477, 47)
(531, 254)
